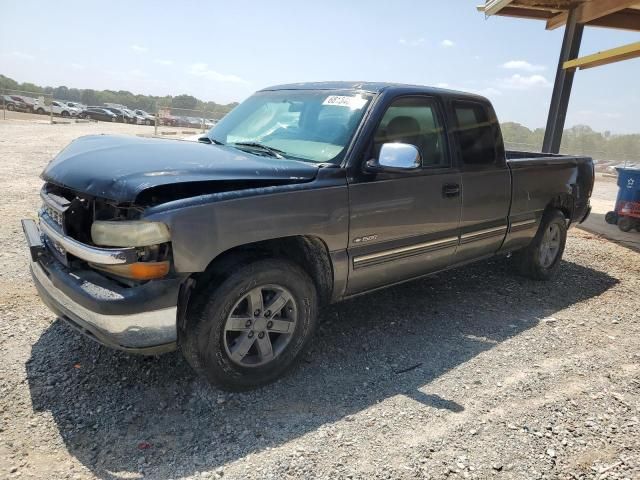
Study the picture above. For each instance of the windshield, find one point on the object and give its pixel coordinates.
(307, 125)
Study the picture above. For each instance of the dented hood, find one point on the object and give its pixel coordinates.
(120, 168)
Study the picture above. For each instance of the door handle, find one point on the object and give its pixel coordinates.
(451, 190)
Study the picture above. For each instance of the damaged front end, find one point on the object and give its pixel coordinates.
(117, 288)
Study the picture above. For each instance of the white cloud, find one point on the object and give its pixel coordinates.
(203, 70)
(416, 42)
(447, 43)
(139, 49)
(442, 85)
(77, 66)
(489, 92)
(160, 61)
(523, 65)
(524, 82)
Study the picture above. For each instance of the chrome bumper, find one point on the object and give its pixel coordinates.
(148, 332)
(88, 253)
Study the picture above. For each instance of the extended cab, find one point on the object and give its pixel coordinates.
(303, 195)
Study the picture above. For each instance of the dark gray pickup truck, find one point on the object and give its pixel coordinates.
(303, 195)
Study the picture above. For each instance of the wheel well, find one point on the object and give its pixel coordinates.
(309, 252)
(564, 203)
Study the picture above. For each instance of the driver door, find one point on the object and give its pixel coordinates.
(403, 225)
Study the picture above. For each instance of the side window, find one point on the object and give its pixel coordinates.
(414, 120)
(475, 133)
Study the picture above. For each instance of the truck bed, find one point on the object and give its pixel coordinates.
(538, 177)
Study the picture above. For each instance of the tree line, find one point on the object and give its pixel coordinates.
(577, 140)
(148, 103)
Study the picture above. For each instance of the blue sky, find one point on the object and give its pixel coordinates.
(224, 51)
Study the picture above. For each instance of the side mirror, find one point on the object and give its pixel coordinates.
(396, 157)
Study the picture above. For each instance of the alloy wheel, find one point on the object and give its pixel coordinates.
(260, 325)
(550, 245)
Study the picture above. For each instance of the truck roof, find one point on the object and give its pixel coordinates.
(374, 87)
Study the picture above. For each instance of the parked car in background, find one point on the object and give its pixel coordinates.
(137, 119)
(30, 101)
(77, 105)
(169, 120)
(99, 113)
(14, 103)
(148, 118)
(56, 107)
(61, 108)
(121, 114)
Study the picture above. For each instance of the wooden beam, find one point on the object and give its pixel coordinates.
(605, 57)
(531, 13)
(591, 10)
(626, 20)
(492, 7)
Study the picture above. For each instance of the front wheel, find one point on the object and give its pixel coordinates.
(250, 328)
(40, 111)
(65, 114)
(541, 258)
(10, 107)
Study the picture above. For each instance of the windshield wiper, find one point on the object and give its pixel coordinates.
(274, 152)
(206, 139)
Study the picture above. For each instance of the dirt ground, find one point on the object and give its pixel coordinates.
(473, 373)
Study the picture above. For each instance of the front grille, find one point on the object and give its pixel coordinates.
(54, 215)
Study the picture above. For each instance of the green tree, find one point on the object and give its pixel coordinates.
(185, 101)
(89, 97)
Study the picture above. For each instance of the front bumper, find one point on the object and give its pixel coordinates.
(140, 319)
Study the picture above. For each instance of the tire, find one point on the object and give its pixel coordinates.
(611, 218)
(229, 353)
(147, 122)
(11, 107)
(65, 114)
(541, 258)
(40, 111)
(625, 224)
(114, 119)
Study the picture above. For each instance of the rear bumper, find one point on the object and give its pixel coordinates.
(140, 319)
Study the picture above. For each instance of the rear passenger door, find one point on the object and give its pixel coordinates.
(486, 181)
(403, 225)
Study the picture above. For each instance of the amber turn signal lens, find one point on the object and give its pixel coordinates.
(138, 270)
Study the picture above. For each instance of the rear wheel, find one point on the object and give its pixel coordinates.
(541, 258)
(248, 329)
(625, 224)
(147, 122)
(65, 113)
(611, 218)
(11, 107)
(40, 111)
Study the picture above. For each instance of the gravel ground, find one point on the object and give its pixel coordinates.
(473, 373)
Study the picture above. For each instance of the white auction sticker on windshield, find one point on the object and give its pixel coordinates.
(352, 102)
